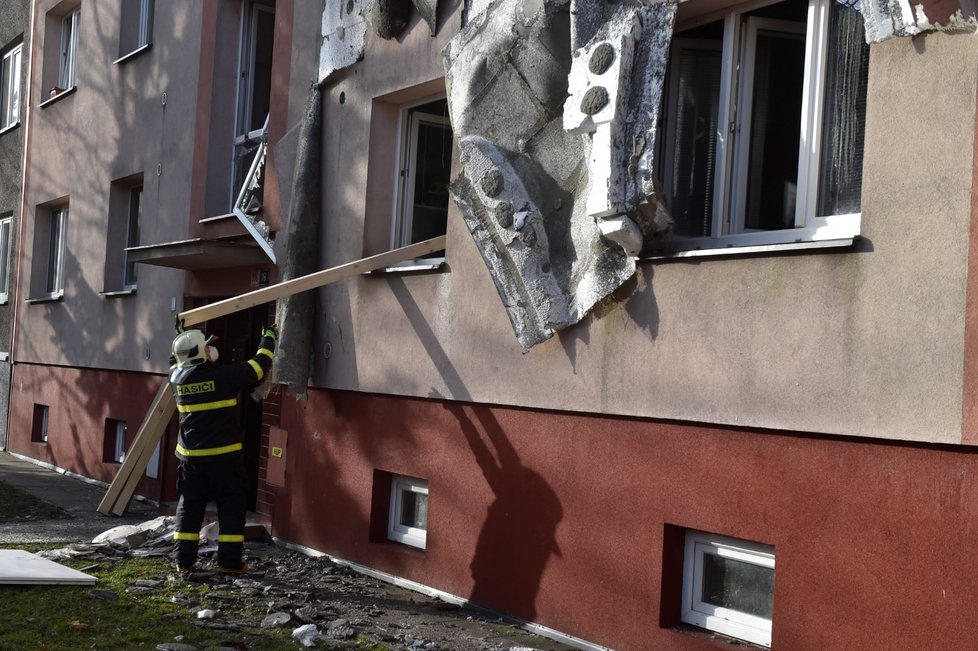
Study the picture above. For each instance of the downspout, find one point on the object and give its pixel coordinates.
(24, 182)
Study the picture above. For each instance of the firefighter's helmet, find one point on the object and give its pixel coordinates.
(189, 348)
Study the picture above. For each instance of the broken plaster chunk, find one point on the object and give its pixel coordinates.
(622, 231)
(605, 64)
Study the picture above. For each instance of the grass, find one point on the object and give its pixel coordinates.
(55, 618)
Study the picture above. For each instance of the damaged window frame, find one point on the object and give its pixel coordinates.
(410, 120)
(728, 232)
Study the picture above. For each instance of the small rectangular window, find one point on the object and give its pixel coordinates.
(728, 586)
(424, 173)
(114, 441)
(69, 49)
(136, 28)
(10, 87)
(39, 424)
(54, 283)
(408, 519)
(6, 242)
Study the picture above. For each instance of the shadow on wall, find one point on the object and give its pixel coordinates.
(518, 535)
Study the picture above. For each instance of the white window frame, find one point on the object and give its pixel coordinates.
(6, 244)
(726, 621)
(54, 280)
(409, 124)
(10, 86)
(413, 536)
(133, 225)
(727, 216)
(69, 49)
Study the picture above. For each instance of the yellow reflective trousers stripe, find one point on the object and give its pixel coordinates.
(207, 406)
(179, 535)
(230, 537)
(207, 452)
(258, 369)
(267, 353)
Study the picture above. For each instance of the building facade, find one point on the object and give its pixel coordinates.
(766, 431)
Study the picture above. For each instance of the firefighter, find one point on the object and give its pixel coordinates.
(209, 444)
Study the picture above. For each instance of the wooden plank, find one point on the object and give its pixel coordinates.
(311, 281)
(150, 431)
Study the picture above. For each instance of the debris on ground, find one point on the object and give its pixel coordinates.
(325, 604)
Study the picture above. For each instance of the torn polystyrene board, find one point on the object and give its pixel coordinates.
(885, 19)
(344, 36)
(23, 568)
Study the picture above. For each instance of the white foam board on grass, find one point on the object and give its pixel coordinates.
(20, 567)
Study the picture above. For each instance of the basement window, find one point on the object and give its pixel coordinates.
(114, 441)
(423, 174)
(764, 115)
(408, 519)
(728, 586)
(39, 424)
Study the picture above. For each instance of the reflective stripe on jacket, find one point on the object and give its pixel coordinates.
(207, 399)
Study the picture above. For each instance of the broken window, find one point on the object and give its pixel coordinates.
(728, 586)
(424, 172)
(136, 26)
(10, 87)
(408, 523)
(763, 126)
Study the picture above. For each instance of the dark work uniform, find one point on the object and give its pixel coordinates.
(210, 450)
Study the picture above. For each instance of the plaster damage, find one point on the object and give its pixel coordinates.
(554, 104)
(885, 19)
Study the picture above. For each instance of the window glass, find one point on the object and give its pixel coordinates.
(424, 173)
(841, 159)
(56, 252)
(738, 585)
(10, 87)
(6, 226)
(132, 232)
(69, 47)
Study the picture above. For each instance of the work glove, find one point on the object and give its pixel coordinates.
(178, 324)
(270, 331)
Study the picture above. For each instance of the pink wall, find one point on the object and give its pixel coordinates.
(562, 519)
(79, 401)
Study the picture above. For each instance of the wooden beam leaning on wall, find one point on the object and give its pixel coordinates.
(121, 490)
